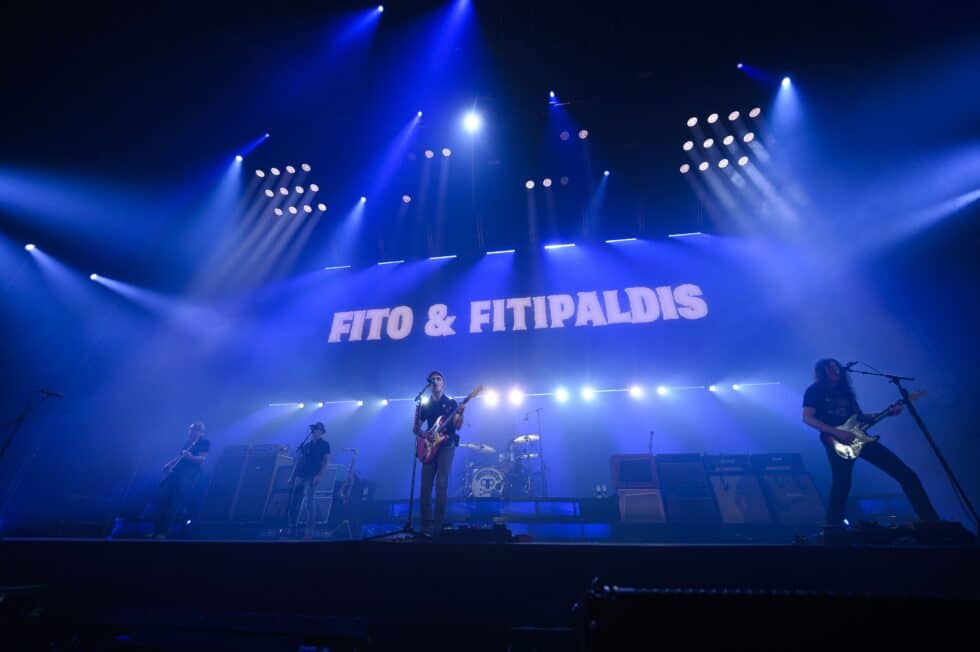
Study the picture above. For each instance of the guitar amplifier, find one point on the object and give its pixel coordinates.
(263, 465)
(687, 492)
(728, 463)
(740, 498)
(793, 498)
(641, 506)
(223, 492)
(773, 462)
(633, 471)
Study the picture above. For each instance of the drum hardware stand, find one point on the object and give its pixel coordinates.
(407, 529)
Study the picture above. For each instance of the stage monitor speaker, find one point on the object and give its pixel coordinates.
(263, 466)
(635, 471)
(793, 498)
(223, 491)
(641, 506)
(740, 499)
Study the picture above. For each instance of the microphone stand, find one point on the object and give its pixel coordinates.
(16, 426)
(407, 529)
(897, 381)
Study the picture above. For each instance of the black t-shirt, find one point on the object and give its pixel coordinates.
(310, 460)
(441, 408)
(833, 403)
(190, 467)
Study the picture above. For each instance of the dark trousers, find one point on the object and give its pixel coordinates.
(876, 454)
(171, 500)
(437, 472)
(300, 500)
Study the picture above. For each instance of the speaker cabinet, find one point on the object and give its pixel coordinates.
(793, 498)
(223, 492)
(740, 499)
(641, 506)
(687, 493)
(261, 469)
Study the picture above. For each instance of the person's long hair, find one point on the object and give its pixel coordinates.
(821, 378)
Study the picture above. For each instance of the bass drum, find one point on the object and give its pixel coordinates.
(487, 482)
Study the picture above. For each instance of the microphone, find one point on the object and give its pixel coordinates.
(848, 366)
(48, 392)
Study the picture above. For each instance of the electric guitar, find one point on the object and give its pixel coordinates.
(169, 466)
(859, 428)
(430, 440)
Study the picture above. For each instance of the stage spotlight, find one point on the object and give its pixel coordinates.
(269, 193)
(383, 402)
(729, 139)
(292, 210)
(736, 387)
(685, 168)
(472, 122)
(447, 152)
(712, 388)
(563, 181)
(551, 94)
(302, 405)
(93, 277)
(605, 173)
(275, 171)
(259, 173)
(739, 65)
(360, 404)
(786, 82)
(284, 191)
(688, 145)
(238, 158)
(290, 169)
(708, 142)
(564, 135)
(407, 199)
(662, 390)
(561, 395)
(703, 166)
(429, 153)
(363, 199)
(306, 167)
(321, 207)
(300, 189)
(754, 113)
(529, 184)
(692, 121)
(307, 209)
(419, 114)
(636, 391)
(546, 182)
(713, 118)
(515, 396)
(381, 9)
(733, 116)
(723, 163)
(743, 161)
(749, 137)
(583, 134)
(588, 393)
(277, 211)
(491, 398)
(320, 404)
(29, 247)
(314, 187)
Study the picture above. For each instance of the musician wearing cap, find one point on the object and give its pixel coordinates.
(437, 470)
(312, 459)
(182, 473)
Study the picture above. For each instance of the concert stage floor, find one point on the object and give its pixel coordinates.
(404, 595)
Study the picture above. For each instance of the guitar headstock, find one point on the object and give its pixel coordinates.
(474, 393)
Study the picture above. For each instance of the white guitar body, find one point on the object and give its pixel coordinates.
(851, 451)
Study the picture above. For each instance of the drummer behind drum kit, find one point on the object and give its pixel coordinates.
(518, 473)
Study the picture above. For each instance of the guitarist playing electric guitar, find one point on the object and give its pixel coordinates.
(443, 417)
(831, 407)
(181, 475)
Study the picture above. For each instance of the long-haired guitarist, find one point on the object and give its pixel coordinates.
(436, 471)
(828, 404)
(182, 473)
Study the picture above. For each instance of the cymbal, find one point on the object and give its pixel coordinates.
(482, 448)
(523, 439)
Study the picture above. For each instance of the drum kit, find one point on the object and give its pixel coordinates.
(517, 473)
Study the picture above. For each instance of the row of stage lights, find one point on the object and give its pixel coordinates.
(547, 182)
(516, 396)
(728, 141)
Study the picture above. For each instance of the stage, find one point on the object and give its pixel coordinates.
(406, 594)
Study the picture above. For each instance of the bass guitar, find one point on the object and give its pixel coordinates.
(859, 428)
(430, 440)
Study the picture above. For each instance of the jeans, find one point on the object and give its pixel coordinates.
(301, 499)
(876, 454)
(171, 499)
(436, 471)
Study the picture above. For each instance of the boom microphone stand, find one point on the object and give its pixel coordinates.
(897, 381)
(407, 529)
